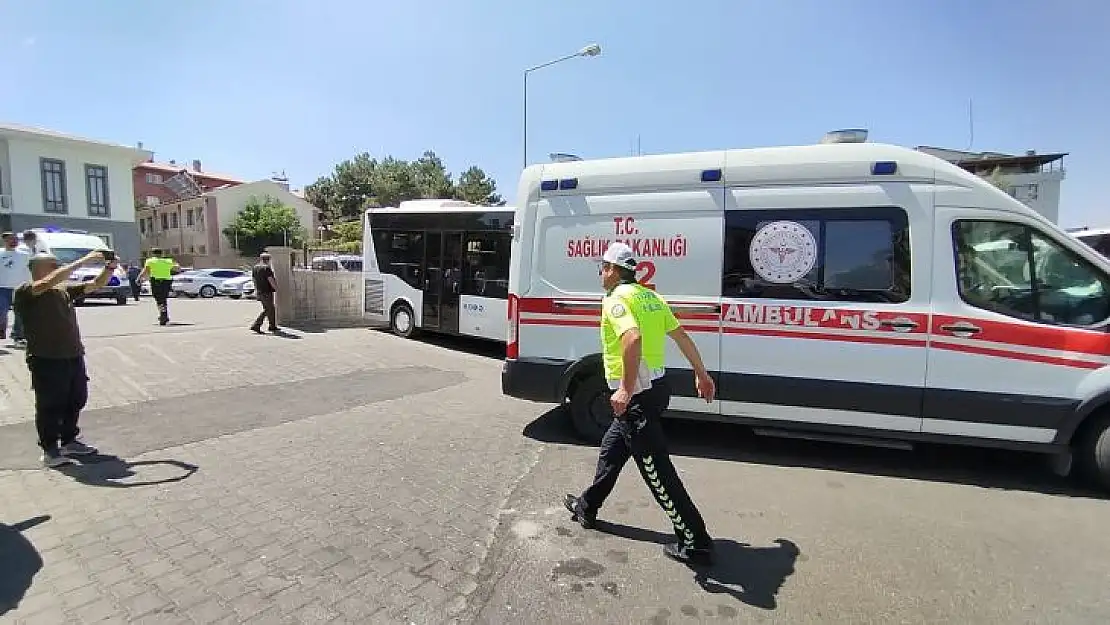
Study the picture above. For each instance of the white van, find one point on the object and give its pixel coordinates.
(847, 291)
(70, 245)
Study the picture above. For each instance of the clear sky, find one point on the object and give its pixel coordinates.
(250, 87)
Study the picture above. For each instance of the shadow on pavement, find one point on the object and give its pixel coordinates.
(469, 345)
(110, 471)
(21, 562)
(177, 324)
(751, 575)
(972, 466)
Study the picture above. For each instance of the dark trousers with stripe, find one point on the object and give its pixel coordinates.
(639, 435)
(160, 290)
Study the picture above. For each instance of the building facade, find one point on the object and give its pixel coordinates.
(191, 228)
(150, 181)
(1031, 178)
(49, 179)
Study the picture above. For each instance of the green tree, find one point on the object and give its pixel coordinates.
(432, 178)
(346, 237)
(363, 181)
(478, 188)
(393, 182)
(263, 222)
(323, 195)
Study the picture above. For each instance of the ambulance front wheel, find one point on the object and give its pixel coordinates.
(1092, 452)
(401, 321)
(590, 412)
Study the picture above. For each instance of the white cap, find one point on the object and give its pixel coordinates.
(621, 255)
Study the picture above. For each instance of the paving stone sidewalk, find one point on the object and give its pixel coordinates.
(376, 509)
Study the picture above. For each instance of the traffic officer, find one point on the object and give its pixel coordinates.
(159, 268)
(635, 322)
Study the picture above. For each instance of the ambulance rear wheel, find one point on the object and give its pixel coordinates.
(1092, 452)
(401, 321)
(590, 412)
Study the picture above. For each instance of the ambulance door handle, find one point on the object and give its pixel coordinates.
(962, 329)
(899, 325)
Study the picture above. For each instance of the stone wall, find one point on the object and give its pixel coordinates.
(316, 298)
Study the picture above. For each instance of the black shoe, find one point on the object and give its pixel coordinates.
(256, 330)
(689, 555)
(580, 516)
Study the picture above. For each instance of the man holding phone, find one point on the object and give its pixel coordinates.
(55, 353)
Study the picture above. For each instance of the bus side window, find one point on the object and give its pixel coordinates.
(487, 253)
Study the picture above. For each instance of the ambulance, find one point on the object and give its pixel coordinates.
(69, 246)
(846, 290)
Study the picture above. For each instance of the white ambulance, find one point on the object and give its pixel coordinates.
(845, 290)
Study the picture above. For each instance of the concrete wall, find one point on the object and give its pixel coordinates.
(316, 298)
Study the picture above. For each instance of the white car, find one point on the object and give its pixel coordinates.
(234, 287)
(202, 282)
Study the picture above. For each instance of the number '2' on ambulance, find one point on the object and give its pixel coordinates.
(839, 289)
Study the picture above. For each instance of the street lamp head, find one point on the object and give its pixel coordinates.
(591, 50)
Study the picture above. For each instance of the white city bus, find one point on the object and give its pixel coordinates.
(439, 266)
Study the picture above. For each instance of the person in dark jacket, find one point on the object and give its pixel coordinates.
(265, 286)
(133, 273)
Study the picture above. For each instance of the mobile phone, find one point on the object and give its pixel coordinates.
(109, 255)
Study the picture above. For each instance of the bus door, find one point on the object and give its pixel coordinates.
(433, 279)
(452, 282)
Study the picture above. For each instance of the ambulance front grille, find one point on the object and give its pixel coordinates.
(375, 297)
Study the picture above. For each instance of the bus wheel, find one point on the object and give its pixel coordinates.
(590, 411)
(401, 321)
(1092, 451)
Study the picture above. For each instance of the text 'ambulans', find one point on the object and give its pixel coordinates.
(801, 316)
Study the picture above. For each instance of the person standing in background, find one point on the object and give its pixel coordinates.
(133, 272)
(32, 245)
(265, 286)
(14, 271)
(159, 269)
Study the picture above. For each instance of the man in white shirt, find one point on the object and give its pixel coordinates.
(14, 271)
(32, 245)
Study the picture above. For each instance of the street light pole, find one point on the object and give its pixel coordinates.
(591, 50)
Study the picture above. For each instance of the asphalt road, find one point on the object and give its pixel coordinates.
(350, 476)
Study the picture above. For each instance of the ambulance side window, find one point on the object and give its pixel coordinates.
(1014, 270)
(843, 255)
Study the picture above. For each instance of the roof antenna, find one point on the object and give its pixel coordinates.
(970, 124)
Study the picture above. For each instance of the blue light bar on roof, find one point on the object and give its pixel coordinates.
(568, 183)
(711, 175)
(884, 168)
(549, 185)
